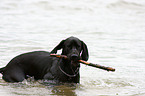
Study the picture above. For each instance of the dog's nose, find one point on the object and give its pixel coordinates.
(74, 56)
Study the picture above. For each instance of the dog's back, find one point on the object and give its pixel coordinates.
(31, 64)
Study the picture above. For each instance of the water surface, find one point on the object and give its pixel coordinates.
(113, 30)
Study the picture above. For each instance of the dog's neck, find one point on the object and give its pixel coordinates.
(67, 64)
(67, 68)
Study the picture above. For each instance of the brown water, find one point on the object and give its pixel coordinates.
(113, 30)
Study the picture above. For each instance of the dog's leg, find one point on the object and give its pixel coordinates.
(14, 75)
(77, 79)
(48, 76)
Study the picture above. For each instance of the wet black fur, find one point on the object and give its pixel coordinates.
(42, 66)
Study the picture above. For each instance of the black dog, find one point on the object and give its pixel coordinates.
(42, 66)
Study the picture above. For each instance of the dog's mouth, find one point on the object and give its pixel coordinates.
(75, 63)
(74, 58)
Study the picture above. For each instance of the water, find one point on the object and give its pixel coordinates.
(113, 30)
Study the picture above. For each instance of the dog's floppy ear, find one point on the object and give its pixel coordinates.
(85, 54)
(58, 47)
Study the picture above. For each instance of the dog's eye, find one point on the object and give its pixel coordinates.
(78, 46)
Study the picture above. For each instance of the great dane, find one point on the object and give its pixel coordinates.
(41, 65)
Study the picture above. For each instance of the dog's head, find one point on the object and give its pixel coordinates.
(73, 48)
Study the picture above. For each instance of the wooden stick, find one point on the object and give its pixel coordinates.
(59, 56)
(86, 63)
(97, 65)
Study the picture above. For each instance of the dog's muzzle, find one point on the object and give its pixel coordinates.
(74, 57)
(74, 60)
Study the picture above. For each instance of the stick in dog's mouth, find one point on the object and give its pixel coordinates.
(86, 63)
